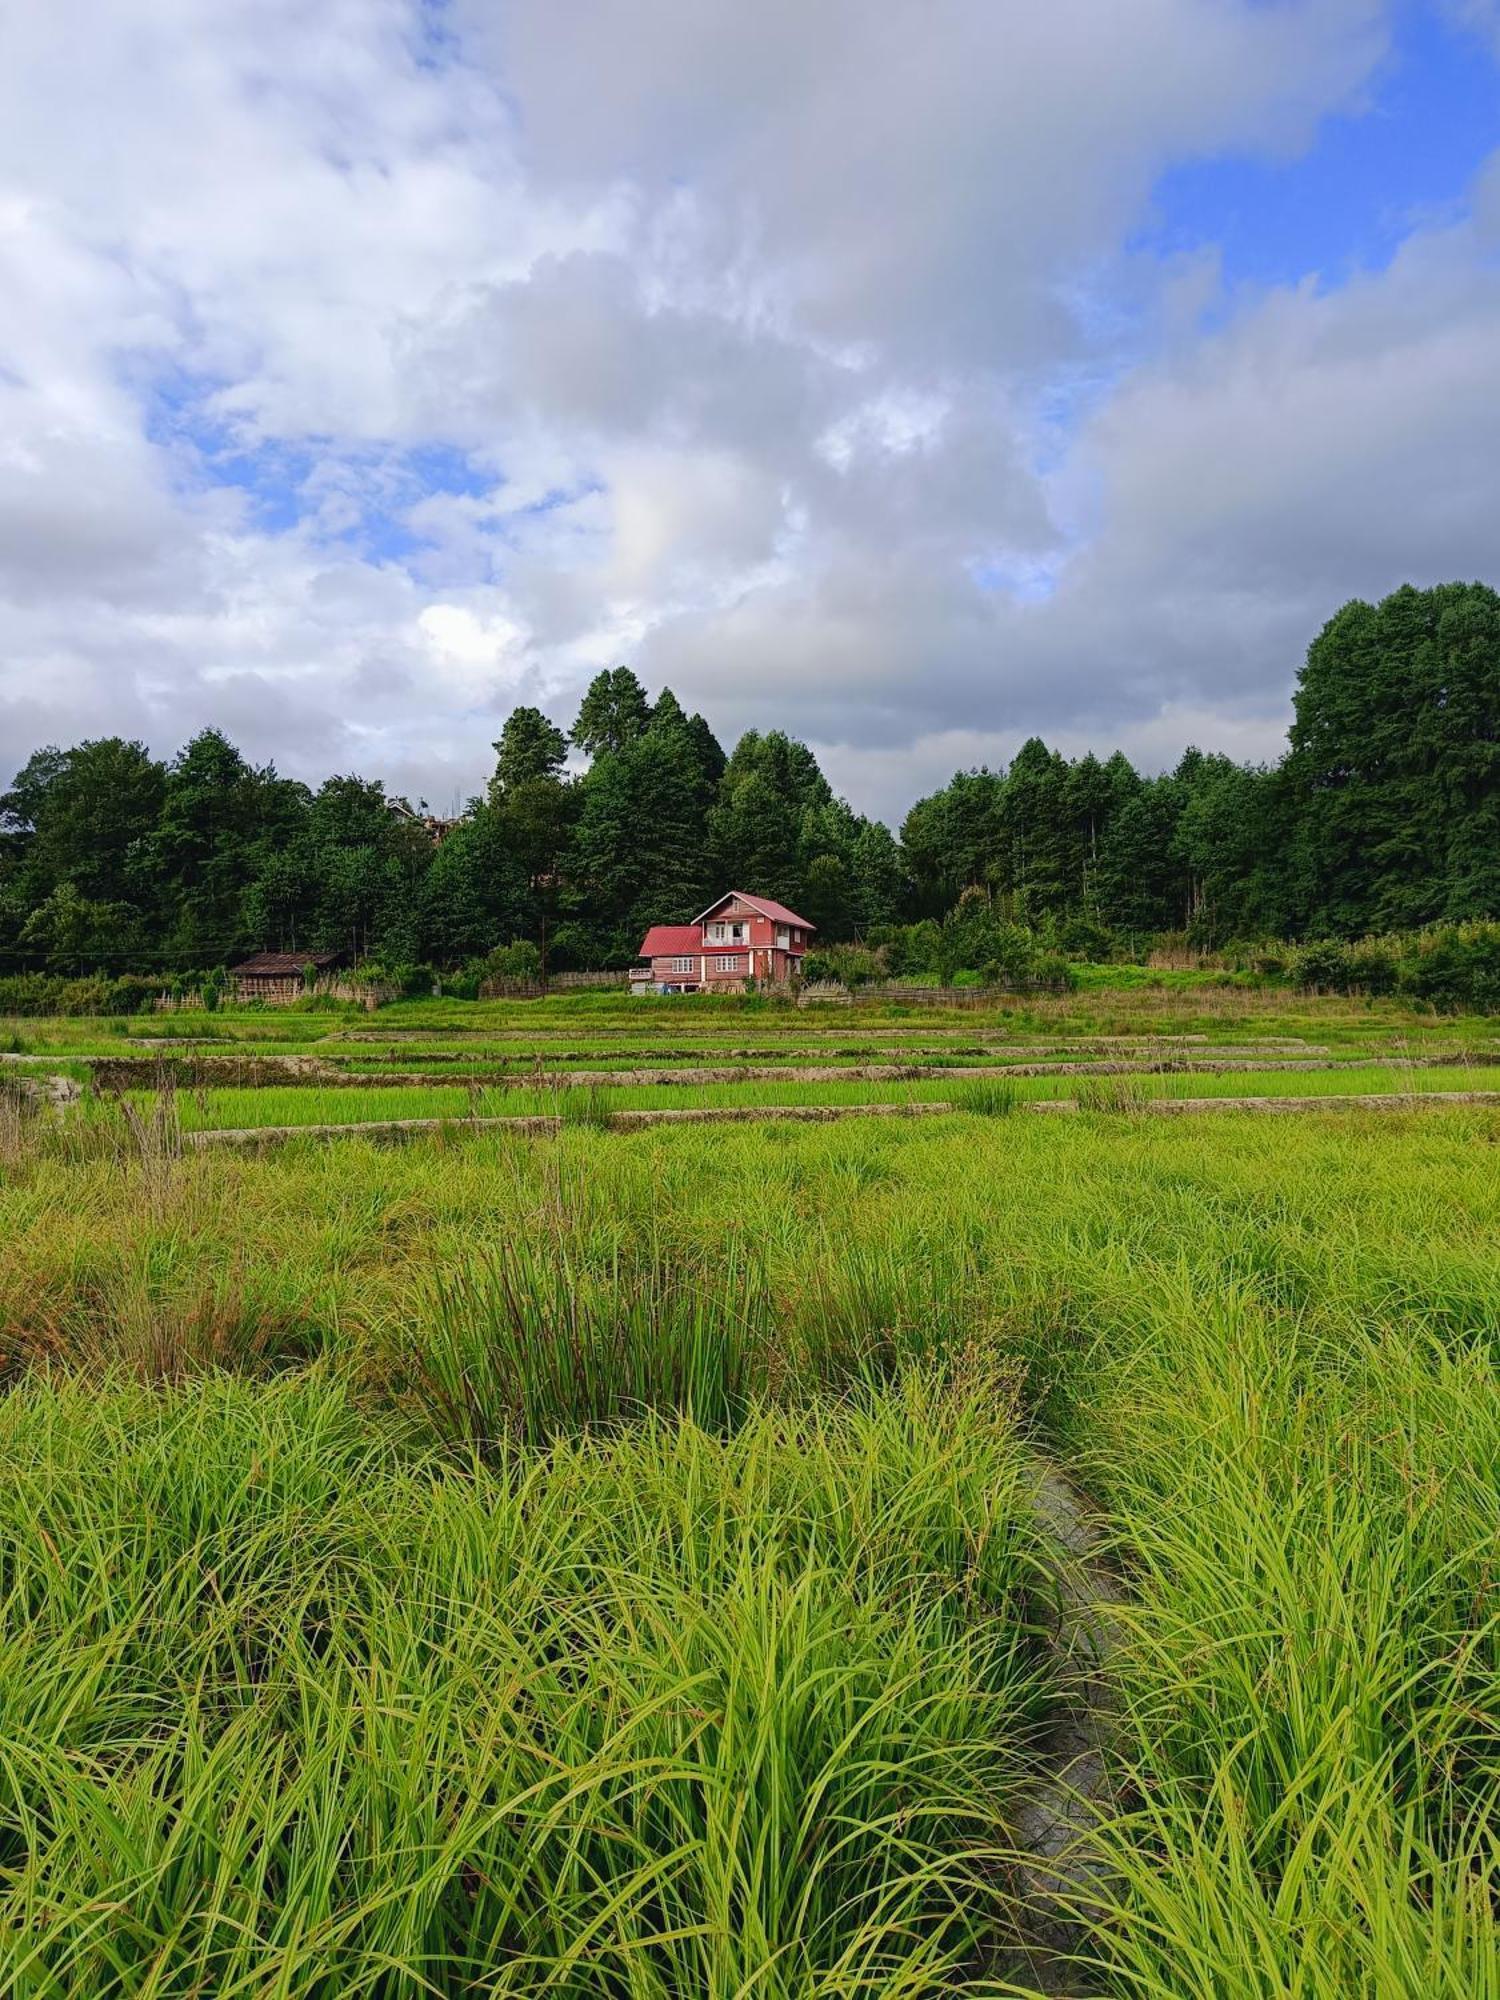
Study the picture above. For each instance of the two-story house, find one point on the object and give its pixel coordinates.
(737, 938)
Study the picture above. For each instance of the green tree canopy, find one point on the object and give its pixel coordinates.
(613, 714)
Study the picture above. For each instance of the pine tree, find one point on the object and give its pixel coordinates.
(613, 714)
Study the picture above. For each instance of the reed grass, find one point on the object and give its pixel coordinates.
(533, 1343)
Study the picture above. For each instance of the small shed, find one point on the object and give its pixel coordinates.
(280, 976)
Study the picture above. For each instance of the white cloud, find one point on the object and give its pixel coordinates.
(355, 384)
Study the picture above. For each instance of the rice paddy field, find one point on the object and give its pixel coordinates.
(958, 1553)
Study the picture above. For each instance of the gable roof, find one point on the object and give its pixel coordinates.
(672, 940)
(283, 964)
(777, 912)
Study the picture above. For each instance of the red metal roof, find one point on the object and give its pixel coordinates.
(777, 912)
(672, 940)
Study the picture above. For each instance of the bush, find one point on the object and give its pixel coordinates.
(850, 964)
(1453, 966)
(1324, 965)
(1374, 964)
(1052, 969)
(520, 960)
(1086, 937)
(97, 993)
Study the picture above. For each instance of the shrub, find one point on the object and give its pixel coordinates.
(851, 965)
(520, 960)
(49, 993)
(1373, 965)
(1324, 965)
(1051, 969)
(1453, 965)
(1086, 937)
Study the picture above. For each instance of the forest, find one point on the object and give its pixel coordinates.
(1383, 814)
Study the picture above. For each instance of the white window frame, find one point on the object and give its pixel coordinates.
(732, 963)
(682, 964)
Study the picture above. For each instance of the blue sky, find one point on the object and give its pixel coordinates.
(916, 379)
(1407, 154)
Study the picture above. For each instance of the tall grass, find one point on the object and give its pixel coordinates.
(986, 1097)
(1313, 1661)
(666, 1716)
(533, 1343)
(514, 1673)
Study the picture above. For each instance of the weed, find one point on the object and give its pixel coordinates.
(987, 1097)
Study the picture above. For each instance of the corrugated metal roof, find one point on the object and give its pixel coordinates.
(777, 912)
(283, 964)
(672, 940)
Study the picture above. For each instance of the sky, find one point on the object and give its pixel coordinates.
(916, 376)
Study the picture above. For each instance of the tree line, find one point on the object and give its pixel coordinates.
(1383, 814)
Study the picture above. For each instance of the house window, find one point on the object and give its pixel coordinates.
(729, 933)
(684, 964)
(731, 964)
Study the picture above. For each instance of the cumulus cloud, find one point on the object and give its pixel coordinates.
(366, 368)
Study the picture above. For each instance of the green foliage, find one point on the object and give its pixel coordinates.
(47, 994)
(540, 1343)
(520, 960)
(1451, 966)
(613, 714)
(459, 1659)
(1395, 762)
(642, 1715)
(530, 749)
(986, 1097)
(851, 965)
(1383, 818)
(1454, 966)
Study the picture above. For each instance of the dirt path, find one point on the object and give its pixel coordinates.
(1075, 1787)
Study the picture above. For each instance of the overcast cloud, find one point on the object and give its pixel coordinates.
(367, 366)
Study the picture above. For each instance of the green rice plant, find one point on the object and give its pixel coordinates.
(986, 1097)
(1265, 1347)
(862, 1309)
(586, 1105)
(1119, 1093)
(533, 1342)
(1311, 1655)
(662, 1715)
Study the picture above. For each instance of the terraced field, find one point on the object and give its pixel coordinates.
(965, 1552)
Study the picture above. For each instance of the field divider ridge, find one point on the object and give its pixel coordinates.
(541, 1125)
